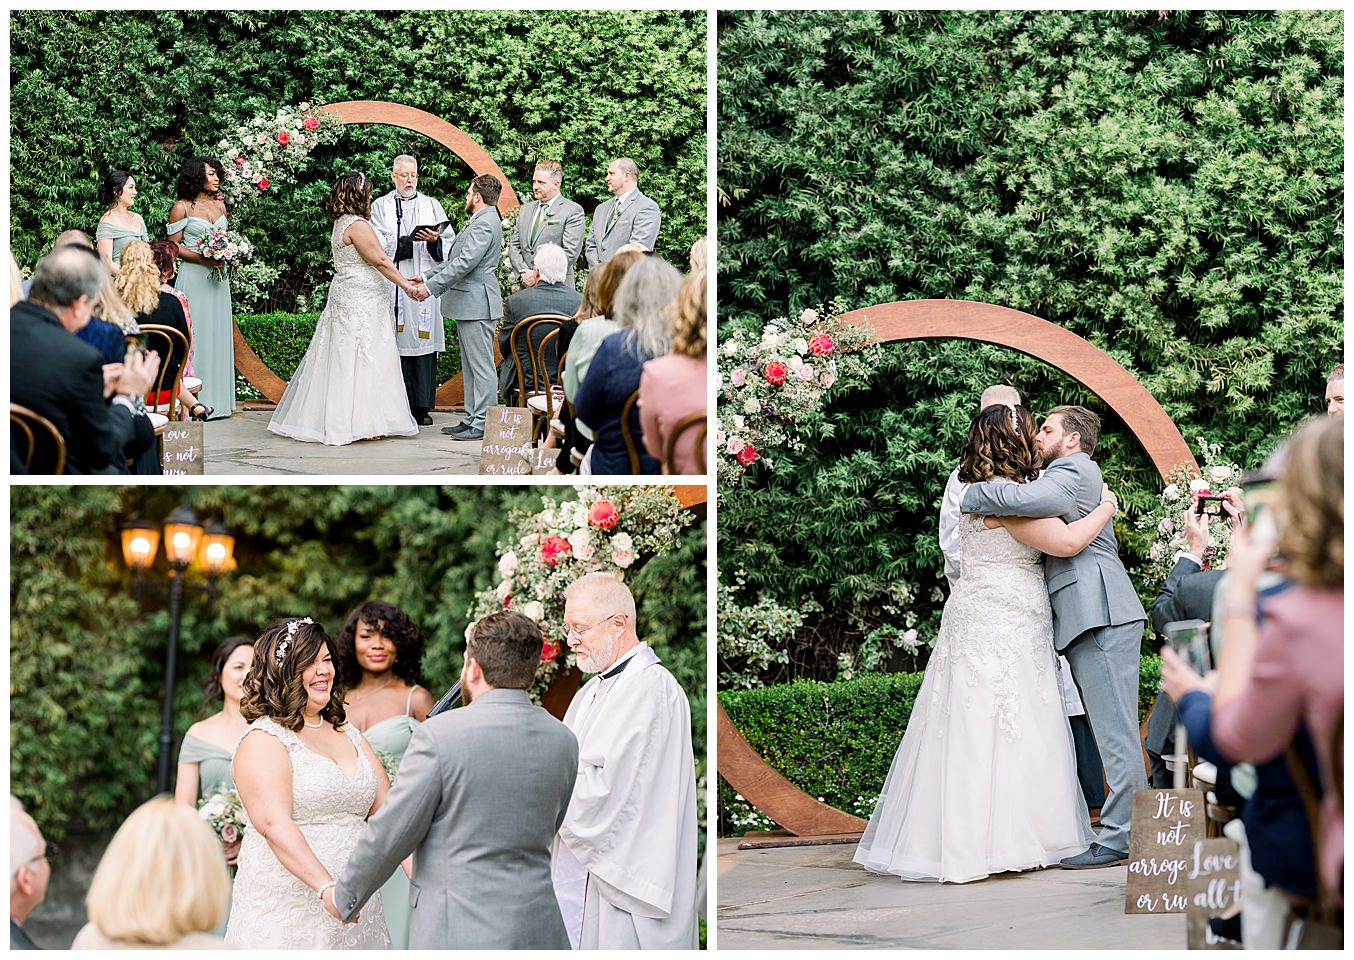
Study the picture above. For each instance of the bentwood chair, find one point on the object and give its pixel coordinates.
(524, 329)
(681, 428)
(631, 444)
(30, 432)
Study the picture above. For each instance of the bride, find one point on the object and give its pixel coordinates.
(308, 783)
(985, 780)
(349, 385)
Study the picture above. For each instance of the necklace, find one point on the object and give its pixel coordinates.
(319, 722)
(362, 696)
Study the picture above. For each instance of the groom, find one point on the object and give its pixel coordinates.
(478, 798)
(1098, 620)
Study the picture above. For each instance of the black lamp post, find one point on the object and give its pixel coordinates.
(182, 536)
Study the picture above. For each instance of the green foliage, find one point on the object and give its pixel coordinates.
(155, 87)
(87, 659)
(836, 741)
(1166, 185)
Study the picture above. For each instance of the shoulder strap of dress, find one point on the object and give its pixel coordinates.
(409, 701)
(268, 725)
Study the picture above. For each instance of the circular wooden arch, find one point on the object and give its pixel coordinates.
(739, 764)
(259, 375)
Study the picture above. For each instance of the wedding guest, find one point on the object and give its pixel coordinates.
(624, 863)
(110, 306)
(161, 883)
(29, 873)
(672, 388)
(628, 217)
(573, 444)
(549, 294)
(550, 218)
(380, 662)
(1335, 391)
(199, 211)
(66, 238)
(698, 255)
(139, 285)
(166, 254)
(56, 375)
(119, 223)
(613, 374)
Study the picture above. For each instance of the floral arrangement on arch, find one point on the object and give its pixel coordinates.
(1165, 522)
(608, 529)
(508, 277)
(773, 381)
(267, 151)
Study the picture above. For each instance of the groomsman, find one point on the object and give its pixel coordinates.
(405, 220)
(470, 293)
(629, 217)
(550, 218)
(625, 858)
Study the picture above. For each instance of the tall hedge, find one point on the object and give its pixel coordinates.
(1167, 185)
(87, 651)
(143, 91)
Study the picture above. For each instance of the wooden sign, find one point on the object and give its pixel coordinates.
(507, 430)
(182, 451)
(1214, 890)
(1166, 825)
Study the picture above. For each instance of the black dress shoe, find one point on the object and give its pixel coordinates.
(464, 433)
(424, 420)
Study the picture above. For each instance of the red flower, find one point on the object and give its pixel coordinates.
(507, 601)
(747, 456)
(604, 514)
(284, 137)
(263, 184)
(552, 548)
(311, 123)
(776, 372)
(549, 651)
(239, 160)
(821, 344)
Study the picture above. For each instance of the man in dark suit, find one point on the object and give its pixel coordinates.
(551, 295)
(29, 873)
(64, 379)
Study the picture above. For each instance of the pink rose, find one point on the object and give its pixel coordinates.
(622, 558)
(821, 344)
(734, 445)
(229, 833)
(284, 138)
(239, 161)
(776, 372)
(738, 377)
(828, 379)
(311, 123)
(747, 456)
(805, 373)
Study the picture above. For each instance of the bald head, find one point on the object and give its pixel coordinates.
(25, 842)
(73, 238)
(999, 393)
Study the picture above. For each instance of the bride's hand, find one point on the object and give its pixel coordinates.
(1107, 496)
(232, 851)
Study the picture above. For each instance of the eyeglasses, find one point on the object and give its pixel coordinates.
(406, 176)
(572, 632)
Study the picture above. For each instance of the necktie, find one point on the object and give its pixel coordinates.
(615, 212)
(536, 224)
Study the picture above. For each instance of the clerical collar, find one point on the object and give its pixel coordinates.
(625, 662)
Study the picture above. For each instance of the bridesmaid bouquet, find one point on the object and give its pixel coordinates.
(224, 813)
(388, 763)
(228, 248)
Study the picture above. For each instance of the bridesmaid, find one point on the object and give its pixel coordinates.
(199, 209)
(119, 223)
(380, 662)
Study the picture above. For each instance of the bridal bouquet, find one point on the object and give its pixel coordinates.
(224, 813)
(1165, 522)
(227, 249)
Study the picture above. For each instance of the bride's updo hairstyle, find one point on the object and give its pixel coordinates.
(351, 194)
(273, 686)
(1000, 444)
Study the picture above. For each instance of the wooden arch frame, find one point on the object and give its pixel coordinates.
(259, 375)
(739, 764)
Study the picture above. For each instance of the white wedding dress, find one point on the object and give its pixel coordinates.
(985, 780)
(349, 385)
(271, 908)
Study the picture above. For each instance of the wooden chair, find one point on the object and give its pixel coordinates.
(631, 447)
(524, 328)
(681, 427)
(29, 429)
(545, 404)
(169, 343)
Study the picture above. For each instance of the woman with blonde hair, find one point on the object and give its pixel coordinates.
(139, 284)
(162, 883)
(672, 388)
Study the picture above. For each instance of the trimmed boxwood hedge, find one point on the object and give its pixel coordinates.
(835, 741)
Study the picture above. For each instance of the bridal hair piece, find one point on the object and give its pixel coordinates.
(292, 626)
(1015, 417)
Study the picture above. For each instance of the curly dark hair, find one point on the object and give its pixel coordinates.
(351, 194)
(193, 176)
(111, 188)
(393, 624)
(212, 688)
(998, 448)
(273, 688)
(166, 254)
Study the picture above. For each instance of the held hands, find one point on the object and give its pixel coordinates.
(418, 290)
(332, 908)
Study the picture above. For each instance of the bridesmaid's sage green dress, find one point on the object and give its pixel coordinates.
(121, 236)
(213, 776)
(391, 735)
(213, 323)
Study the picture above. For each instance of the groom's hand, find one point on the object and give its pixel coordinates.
(333, 909)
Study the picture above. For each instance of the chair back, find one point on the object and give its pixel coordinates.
(549, 386)
(29, 431)
(631, 446)
(172, 346)
(688, 423)
(524, 329)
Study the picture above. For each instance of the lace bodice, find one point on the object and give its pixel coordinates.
(348, 263)
(984, 546)
(321, 791)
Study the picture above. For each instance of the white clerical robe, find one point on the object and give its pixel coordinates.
(418, 326)
(624, 861)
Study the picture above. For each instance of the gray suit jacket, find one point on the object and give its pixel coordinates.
(529, 302)
(466, 280)
(563, 227)
(1091, 589)
(478, 797)
(638, 222)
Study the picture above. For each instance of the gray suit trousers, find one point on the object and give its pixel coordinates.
(1105, 669)
(477, 365)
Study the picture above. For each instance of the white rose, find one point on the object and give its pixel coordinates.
(801, 346)
(303, 107)
(622, 541)
(752, 405)
(794, 362)
(1197, 484)
(503, 590)
(585, 552)
(579, 539)
(910, 637)
(298, 138)
(1171, 492)
(534, 609)
(507, 564)
(738, 421)
(808, 316)
(1220, 474)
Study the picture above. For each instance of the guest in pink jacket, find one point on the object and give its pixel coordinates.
(672, 387)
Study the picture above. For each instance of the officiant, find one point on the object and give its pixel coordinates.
(413, 229)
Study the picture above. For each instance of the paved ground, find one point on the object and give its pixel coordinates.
(241, 444)
(816, 898)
